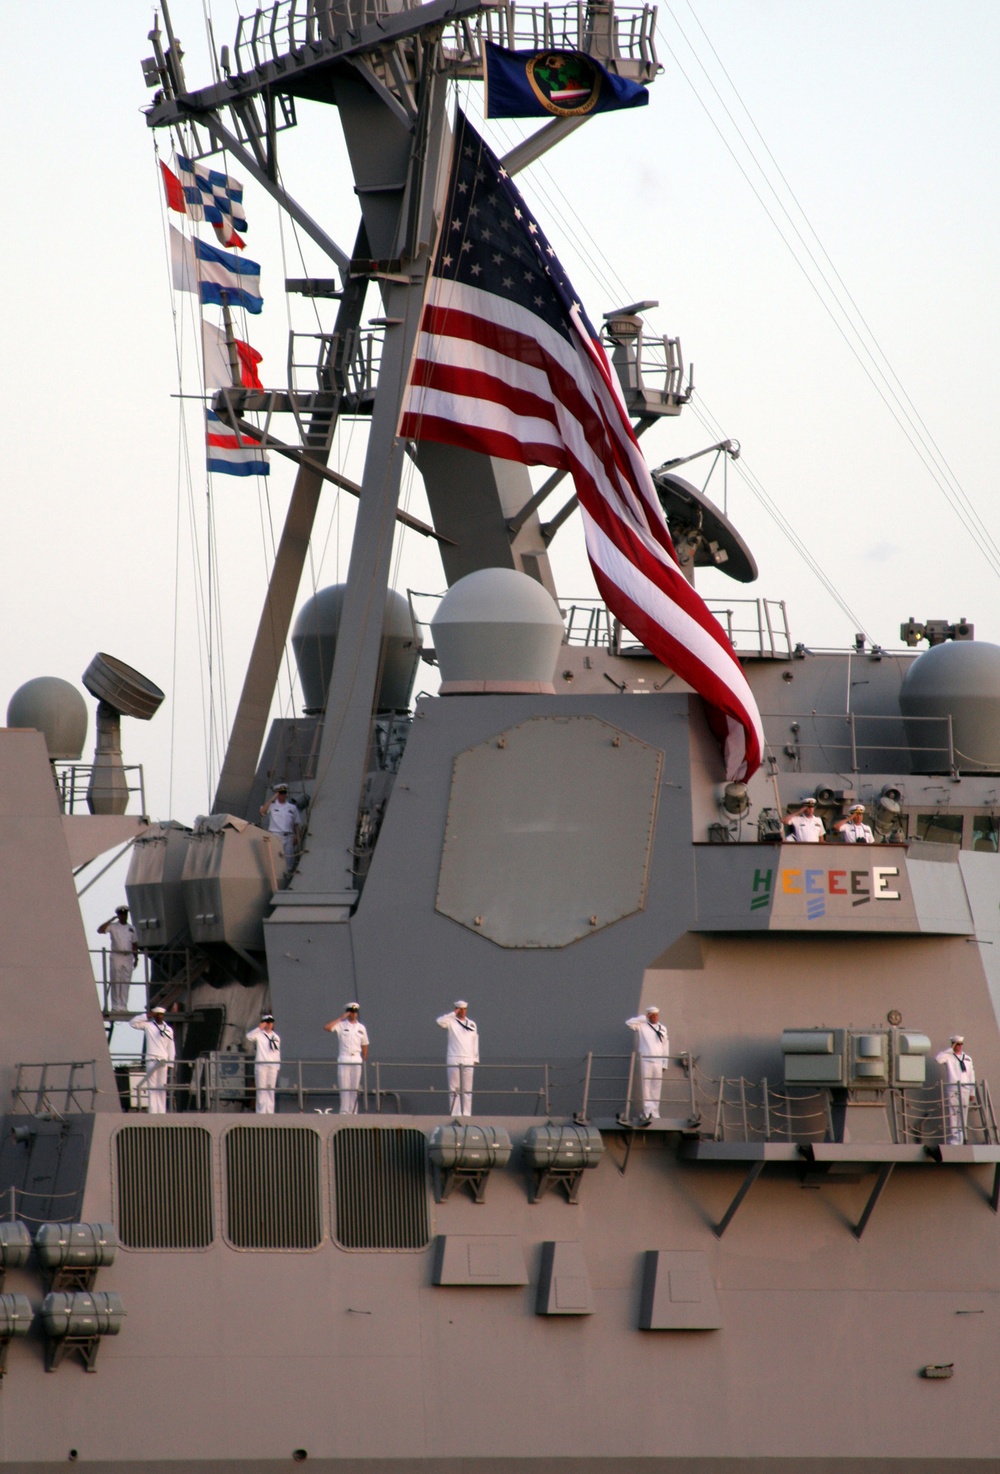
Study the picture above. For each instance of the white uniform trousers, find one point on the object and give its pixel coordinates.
(154, 1086)
(957, 1100)
(265, 1079)
(460, 1085)
(348, 1083)
(651, 1069)
(122, 964)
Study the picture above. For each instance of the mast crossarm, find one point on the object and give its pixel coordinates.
(304, 65)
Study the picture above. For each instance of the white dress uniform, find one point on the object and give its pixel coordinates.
(654, 1056)
(856, 833)
(122, 936)
(805, 830)
(266, 1064)
(960, 1074)
(351, 1039)
(160, 1055)
(283, 819)
(461, 1055)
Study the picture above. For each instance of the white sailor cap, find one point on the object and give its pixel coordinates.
(158, 1009)
(653, 1008)
(460, 1003)
(958, 1039)
(856, 809)
(352, 1008)
(807, 798)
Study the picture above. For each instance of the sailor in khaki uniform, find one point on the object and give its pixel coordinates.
(461, 1055)
(352, 1051)
(960, 1074)
(160, 1055)
(266, 1063)
(124, 956)
(654, 1056)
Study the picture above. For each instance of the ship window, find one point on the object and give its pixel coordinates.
(380, 1188)
(272, 1188)
(986, 833)
(940, 828)
(164, 1181)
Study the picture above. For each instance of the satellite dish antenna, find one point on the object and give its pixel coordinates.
(703, 536)
(121, 692)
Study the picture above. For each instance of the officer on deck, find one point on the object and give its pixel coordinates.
(461, 1055)
(352, 1051)
(160, 1055)
(654, 1056)
(124, 956)
(960, 1074)
(806, 827)
(266, 1063)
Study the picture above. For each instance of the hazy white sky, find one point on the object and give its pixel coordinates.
(880, 114)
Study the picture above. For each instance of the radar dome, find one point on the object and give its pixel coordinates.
(497, 630)
(55, 708)
(958, 679)
(314, 641)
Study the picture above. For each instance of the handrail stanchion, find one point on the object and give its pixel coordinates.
(584, 1111)
(689, 1066)
(378, 1088)
(717, 1134)
(767, 1109)
(302, 1105)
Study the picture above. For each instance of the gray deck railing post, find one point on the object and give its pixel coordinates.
(767, 1109)
(588, 1065)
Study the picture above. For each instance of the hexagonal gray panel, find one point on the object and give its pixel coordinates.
(549, 831)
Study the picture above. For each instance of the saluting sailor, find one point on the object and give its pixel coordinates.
(654, 1056)
(853, 829)
(352, 1051)
(266, 1063)
(960, 1074)
(461, 1055)
(160, 1055)
(124, 956)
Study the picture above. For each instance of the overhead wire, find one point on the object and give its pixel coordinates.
(883, 379)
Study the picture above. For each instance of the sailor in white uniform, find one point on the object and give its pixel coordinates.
(960, 1074)
(283, 818)
(124, 956)
(352, 1051)
(160, 1055)
(266, 1062)
(462, 1054)
(654, 1056)
(805, 826)
(853, 829)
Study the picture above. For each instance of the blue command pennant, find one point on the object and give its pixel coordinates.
(560, 84)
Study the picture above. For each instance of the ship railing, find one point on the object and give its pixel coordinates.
(936, 753)
(73, 780)
(55, 1088)
(743, 1110)
(619, 33)
(612, 1088)
(402, 1087)
(755, 627)
(101, 963)
(63, 1207)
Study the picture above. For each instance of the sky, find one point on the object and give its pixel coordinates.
(876, 124)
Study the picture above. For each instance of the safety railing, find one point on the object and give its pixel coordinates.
(756, 627)
(613, 1087)
(741, 1110)
(55, 1088)
(73, 780)
(937, 751)
(15, 1202)
(623, 32)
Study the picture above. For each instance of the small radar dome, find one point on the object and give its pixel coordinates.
(55, 708)
(314, 641)
(958, 679)
(497, 630)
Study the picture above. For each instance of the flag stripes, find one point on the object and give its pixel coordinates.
(507, 364)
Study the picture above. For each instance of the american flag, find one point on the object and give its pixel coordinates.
(507, 363)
